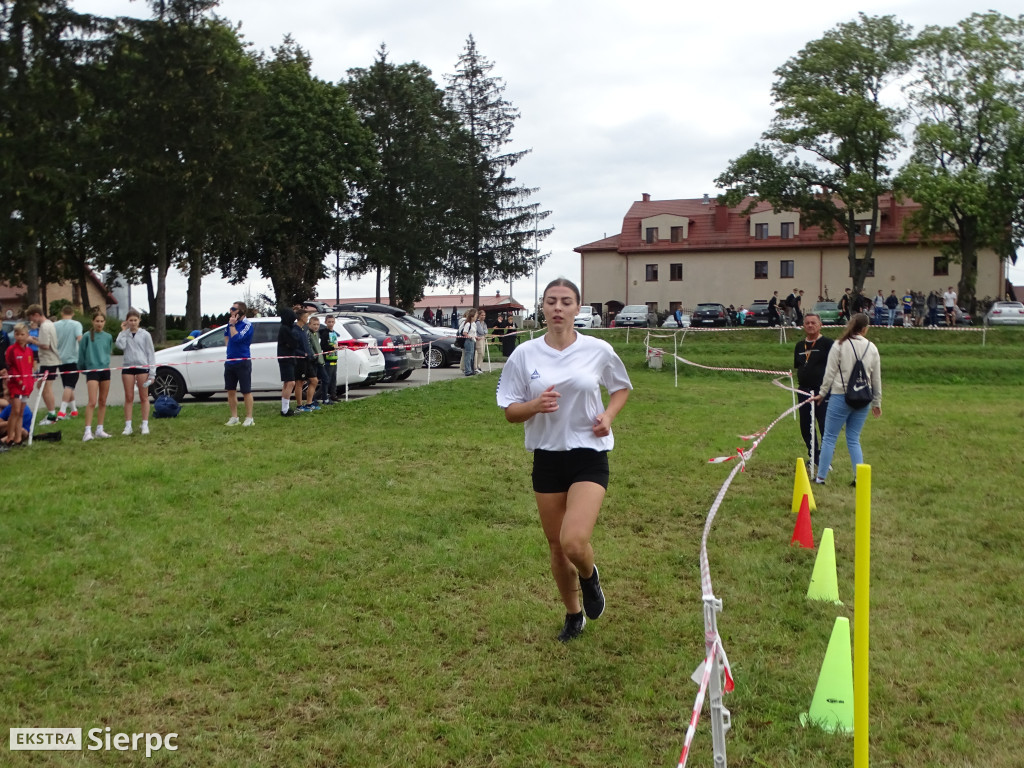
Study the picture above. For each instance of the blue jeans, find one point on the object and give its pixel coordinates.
(468, 354)
(892, 317)
(838, 415)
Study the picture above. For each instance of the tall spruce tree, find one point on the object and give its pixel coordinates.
(403, 223)
(495, 225)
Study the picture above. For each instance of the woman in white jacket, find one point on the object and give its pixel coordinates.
(849, 347)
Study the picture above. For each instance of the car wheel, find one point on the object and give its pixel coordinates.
(404, 375)
(169, 382)
(435, 359)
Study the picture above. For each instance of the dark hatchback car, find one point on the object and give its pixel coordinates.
(757, 314)
(709, 314)
(439, 343)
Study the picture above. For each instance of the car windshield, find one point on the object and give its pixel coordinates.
(708, 306)
(635, 308)
(825, 305)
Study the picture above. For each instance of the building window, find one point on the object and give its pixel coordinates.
(871, 269)
(786, 268)
(652, 273)
(760, 270)
(786, 231)
(940, 266)
(652, 307)
(675, 272)
(678, 234)
(862, 227)
(760, 231)
(652, 235)
(675, 305)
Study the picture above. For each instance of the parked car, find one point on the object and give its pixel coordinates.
(828, 311)
(1005, 313)
(587, 318)
(441, 351)
(400, 332)
(197, 367)
(708, 313)
(393, 347)
(632, 316)
(962, 318)
(757, 314)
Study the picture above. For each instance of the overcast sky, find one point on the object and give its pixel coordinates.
(616, 98)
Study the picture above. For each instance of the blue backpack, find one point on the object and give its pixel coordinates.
(165, 407)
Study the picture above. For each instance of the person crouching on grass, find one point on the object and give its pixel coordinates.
(20, 380)
(552, 385)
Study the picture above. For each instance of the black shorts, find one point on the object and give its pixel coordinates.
(69, 375)
(302, 369)
(555, 471)
(287, 367)
(134, 371)
(48, 372)
(238, 376)
(97, 376)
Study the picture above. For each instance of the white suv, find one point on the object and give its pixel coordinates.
(197, 367)
(587, 318)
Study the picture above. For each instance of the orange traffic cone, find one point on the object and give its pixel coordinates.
(802, 533)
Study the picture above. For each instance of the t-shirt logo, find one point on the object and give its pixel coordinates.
(534, 375)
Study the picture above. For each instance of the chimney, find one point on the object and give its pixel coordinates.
(721, 218)
(706, 200)
(646, 197)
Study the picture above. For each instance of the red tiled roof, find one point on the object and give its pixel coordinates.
(703, 235)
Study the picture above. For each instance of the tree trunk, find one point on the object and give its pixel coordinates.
(377, 299)
(31, 273)
(968, 285)
(193, 299)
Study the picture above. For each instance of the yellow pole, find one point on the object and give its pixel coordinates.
(861, 623)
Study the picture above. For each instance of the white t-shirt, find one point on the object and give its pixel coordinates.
(577, 373)
(949, 297)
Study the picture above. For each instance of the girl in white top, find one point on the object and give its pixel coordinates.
(552, 384)
(139, 368)
(849, 347)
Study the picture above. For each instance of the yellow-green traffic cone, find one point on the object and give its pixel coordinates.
(824, 583)
(832, 705)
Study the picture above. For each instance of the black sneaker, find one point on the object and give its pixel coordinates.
(574, 624)
(593, 597)
(288, 413)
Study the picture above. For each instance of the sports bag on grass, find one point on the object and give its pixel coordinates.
(165, 407)
(858, 390)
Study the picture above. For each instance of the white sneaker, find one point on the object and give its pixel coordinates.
(248, 423)
(232, 422)
(127, 429)
(145, 429)
(87, 437)
(101, 433)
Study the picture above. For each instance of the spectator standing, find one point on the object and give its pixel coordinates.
(305, 370)
(94, 356)
(844, 305)
(481, 341)
(49, 358)
(139, 368)
(949, 302)
(892, 302)
(238, 363)
(919, 305)
(20, 380)
(552, 385)
(908, 308)
(290, 353)
(810, 359)
(849, 347)
(428, 316)
(329, 342)
(789, 306)
(933, 308)
(69, 334)
(773, 309)
(318, 372)
(468, 331)
(879, 307)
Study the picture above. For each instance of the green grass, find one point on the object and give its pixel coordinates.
(368, 586)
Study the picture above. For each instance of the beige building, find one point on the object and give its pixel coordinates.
(674, 254)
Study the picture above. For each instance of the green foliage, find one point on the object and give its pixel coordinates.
(969, 141)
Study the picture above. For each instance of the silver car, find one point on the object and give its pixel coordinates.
(1005, 313)
(632, 316)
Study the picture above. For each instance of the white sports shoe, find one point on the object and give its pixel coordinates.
(249, 423)
(87, 437)
(232, 422)
(145, 429)
(127, 429)
(101, 433)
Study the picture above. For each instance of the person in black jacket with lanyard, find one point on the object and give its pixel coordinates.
(809, 359)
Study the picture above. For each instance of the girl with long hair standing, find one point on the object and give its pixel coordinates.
(850, 347)
(552, 385)
(94, 357)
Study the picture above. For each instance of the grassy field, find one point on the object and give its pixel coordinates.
(368, 585)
